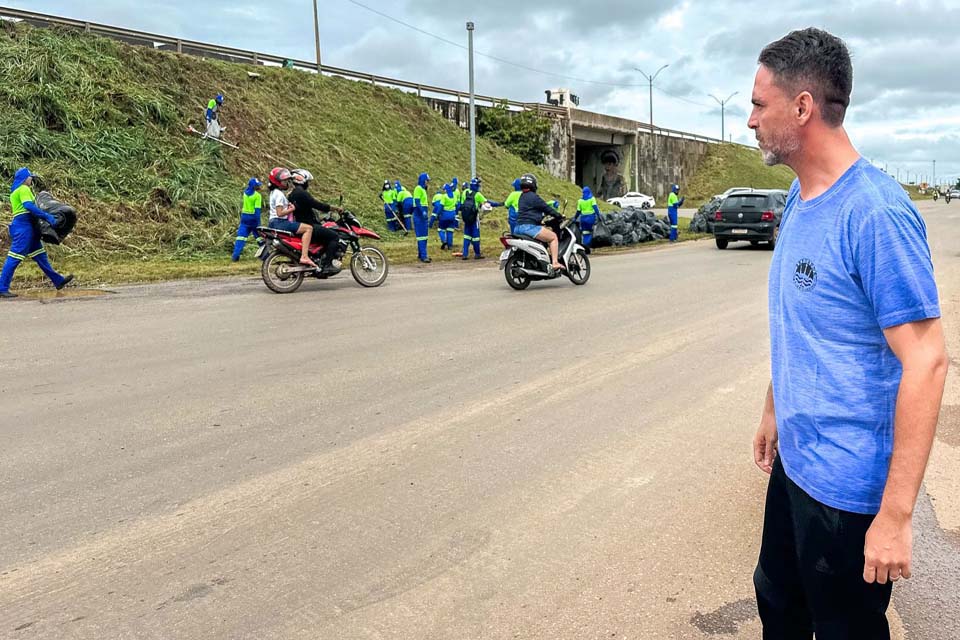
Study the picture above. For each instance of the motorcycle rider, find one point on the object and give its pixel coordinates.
(304, 206)
(530, 212)
(588, 212)
(24, 239)
(249, 216)
(281, 213)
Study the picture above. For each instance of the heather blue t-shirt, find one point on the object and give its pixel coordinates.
(847, 265)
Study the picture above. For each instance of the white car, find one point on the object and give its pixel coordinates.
(634, 199)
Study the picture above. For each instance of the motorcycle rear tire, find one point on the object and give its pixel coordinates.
(518, 281)
(271, 270)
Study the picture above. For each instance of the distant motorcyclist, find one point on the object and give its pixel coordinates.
(531, 210)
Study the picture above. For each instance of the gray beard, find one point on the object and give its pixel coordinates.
(770, 158)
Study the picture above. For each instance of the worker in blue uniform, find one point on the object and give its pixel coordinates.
(588, 211)
(674, 202)
(24, 239)
(421, 215)
(249, 216)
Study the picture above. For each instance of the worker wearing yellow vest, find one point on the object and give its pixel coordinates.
(249, 216)
(587, 212)
(389, 197)
(673, 205)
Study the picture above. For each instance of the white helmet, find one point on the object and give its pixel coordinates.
(301, 176)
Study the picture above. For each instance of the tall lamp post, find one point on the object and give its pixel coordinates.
(316, 32)
(473, 110)
(723, 104)
(653, 146)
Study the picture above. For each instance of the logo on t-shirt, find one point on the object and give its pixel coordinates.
(805, 276)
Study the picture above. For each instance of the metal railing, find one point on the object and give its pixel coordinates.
(243, 56)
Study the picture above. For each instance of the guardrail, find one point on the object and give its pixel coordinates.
(243, 56)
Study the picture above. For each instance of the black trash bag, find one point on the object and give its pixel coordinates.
(643, 233)
(632, 238)
(650, 216)
(65, 219)
(601, 234)
(617, 239)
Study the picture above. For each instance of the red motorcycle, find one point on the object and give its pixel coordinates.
(283, 273)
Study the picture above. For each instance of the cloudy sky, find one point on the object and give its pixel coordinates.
(905, 106)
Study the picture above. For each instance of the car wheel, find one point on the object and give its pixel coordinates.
(645, 205)
(721, 244)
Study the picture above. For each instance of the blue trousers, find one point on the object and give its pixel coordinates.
(446, 228)
(248, 226)
(25, 243)
(471, 234)
(421, 228)
(408, 221)
(672, 213)
(391, 219)
(587, 222)
(512, 218)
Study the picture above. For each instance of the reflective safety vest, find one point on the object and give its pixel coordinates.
(252, 203)
(389, 196)
(18, 197)
(672, 200)
(586, 207)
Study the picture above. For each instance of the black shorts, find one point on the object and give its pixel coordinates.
(810, 574)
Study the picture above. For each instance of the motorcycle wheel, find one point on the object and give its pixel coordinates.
(274, 271)
(515, 279)
(369, 267)
(579, 268)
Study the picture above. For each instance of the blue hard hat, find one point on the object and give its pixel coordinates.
(424, 178)
(676, 188)
(475, 184)
(219, 98)
(19, 178)
(516, 184)
(254, 183)
(587, 193)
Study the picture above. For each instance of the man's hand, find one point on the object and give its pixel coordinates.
(765, 442)
(888, 548)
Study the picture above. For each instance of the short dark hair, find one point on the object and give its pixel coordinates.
(815, 61)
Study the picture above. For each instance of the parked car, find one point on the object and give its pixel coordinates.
(954, 193)
(634, 199)
(752, 216)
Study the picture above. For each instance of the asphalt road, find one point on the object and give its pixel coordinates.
(442, 457)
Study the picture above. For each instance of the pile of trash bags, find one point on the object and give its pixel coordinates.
(702, 221)
(65, 218)
(629, 225)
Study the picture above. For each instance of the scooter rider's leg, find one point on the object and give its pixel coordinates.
(306, 235)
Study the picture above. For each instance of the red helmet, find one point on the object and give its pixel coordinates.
(278, 176)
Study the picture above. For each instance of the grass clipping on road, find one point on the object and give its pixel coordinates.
(103, 123)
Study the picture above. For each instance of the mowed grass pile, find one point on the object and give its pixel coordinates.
(104, 124)
(731, 165)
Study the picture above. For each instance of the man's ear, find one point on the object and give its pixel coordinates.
(803, 107)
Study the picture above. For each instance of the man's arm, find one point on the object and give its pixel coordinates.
(920, 348)
(765, 441)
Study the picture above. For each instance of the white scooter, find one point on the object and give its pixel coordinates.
(525, 259)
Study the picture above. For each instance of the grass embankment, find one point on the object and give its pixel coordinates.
(104, 124)
(732, 165)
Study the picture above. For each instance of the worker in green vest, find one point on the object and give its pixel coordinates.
(674, 202)
(587, 212)
(389, 196)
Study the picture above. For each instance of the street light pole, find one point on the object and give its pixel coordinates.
(934, 181)
(653, 146)
(316, 32)
(723, 104)
(473, 111)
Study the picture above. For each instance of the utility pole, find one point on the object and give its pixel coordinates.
(653, 146)
(723, 104)
(473, 111)
(934, 181)
(316, 32)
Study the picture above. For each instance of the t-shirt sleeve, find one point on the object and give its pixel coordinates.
(895, 267)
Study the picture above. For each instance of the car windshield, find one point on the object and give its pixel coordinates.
(745, 201)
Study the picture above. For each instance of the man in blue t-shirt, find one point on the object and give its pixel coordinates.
(858, 359)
